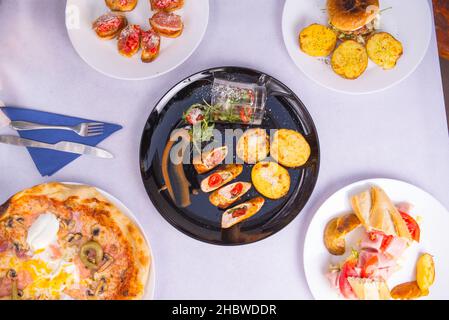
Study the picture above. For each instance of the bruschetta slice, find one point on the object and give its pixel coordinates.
(166, 5)
(241, 212)
(221, 177)
(224, 197)
(150, 42)
(109, 25)
(167, 24)
(121, 5)
(129, 40)
(210, 159)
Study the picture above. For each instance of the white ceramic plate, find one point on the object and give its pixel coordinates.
(409, 21)
(434, 230)
(103, 56)
(151, 282)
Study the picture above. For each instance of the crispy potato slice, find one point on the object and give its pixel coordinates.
(317, 40)
(407, 291)
(425, 272)
(336, 230)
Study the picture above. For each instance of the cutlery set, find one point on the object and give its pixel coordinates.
(86, 129)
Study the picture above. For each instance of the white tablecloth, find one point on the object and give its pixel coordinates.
(400, 133)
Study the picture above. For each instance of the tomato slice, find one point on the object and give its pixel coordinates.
(245, 114)
(368, 266)
(215, 180)
(386, 242)
(412, 225)
(236, 190)
(239, 212)
(347, 271)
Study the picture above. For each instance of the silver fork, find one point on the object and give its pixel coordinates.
(87, 129)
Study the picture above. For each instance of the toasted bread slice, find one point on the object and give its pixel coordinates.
(368, 289)
(384, 50)
(150, 42)
(290, 148)
(253, 146)
(210, 159)
(350, 60)
(271, 180)
(224, 197)
(220, 177)
(376, 212)
(317, 40)
(121, 5)
(241, 212)
(129, 40)
(167, 24)
(166, 5)
(109, 25)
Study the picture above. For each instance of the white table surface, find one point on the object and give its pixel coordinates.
(400, 133)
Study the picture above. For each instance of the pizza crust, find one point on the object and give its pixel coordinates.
(89, 197)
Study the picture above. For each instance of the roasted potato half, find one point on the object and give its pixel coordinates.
(350, 60)
(336, 230)
(317, 40)
(407, 291)
(425, 272)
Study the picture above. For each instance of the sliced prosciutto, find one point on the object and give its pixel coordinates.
(150, 43)
(167, 24)
(166, 5)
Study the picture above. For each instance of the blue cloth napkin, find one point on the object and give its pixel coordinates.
(47, 161)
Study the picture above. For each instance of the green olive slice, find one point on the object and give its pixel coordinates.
(92, 262)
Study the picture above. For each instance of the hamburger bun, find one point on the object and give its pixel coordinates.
(384, 50)
(350, 15)
(350, 59)
(317, 40)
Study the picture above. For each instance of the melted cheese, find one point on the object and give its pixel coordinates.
(43, 231)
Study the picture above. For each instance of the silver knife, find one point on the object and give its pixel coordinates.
(65, 146)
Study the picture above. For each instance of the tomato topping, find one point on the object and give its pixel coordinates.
(368, 266)
(386, 242)
(237, 189)
(245, 114)
(215, 180)
(412, 225)
(347, 270)
(195, 116)
(239, 212)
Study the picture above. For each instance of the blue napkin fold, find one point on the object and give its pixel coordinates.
(47, 161)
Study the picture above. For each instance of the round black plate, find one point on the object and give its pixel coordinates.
(201, 220)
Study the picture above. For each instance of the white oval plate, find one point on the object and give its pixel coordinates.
(409, 21)
(434, 229)
(103, 56)
(151, 282)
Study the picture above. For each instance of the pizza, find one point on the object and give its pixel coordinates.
(60, 241)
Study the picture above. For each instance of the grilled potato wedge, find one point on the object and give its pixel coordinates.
(336, 230)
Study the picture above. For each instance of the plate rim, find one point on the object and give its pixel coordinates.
(164, 99)
(153, 76)
(374, 180)
(357, 93)
(151, 281)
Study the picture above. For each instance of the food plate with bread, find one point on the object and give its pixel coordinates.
(224, 184)
(136, 39)
(378, 239)
(357, 47)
